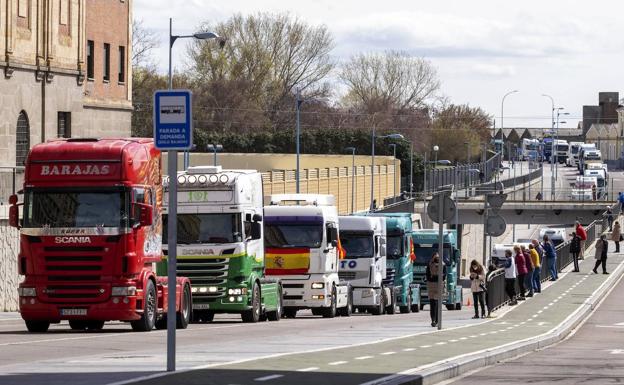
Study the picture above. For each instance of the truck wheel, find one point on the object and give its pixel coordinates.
(290, 313)
(183, 317)
(379, 309)
(330, 312)
(407, 308)
(253, 315)
(347, 311)
(450, 306)
(391, 308)
(37, 326)
(148, 319)
(277, 314)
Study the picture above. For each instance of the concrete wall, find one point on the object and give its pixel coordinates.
(9, 279)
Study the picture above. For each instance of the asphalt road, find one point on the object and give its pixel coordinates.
(593, 355)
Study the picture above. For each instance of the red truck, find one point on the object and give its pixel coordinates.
(90, 236)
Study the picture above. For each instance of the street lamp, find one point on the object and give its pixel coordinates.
(214, 148)
(352, 150)
(435, 166)
(552, 127)
(393, 145)
(172, 167)
(373, 138)
(503, 116)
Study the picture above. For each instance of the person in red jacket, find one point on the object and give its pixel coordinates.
(582, 234)
(529, 265)
(522, 271)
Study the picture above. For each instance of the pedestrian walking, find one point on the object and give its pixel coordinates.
(580, 231)
(621, 200)
(522, 272)
(609, 215)
(601, 254)
(551, 258)
(528, 280)
(432, 286)
(575, 249)
(477, 286)
(536, 282)
(510, 277)
(616, 236)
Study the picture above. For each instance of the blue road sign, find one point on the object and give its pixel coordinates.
(173, 120)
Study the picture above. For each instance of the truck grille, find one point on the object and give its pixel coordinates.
(74, 274)
(346, 275)
(207, 272)
(390, 273)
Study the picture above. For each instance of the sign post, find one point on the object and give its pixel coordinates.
(173, 131)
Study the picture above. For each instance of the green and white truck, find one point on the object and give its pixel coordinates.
(221, 244)
(425, 244)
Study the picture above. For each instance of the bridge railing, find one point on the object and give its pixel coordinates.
(496, 296)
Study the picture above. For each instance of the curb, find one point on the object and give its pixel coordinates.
(451, 368)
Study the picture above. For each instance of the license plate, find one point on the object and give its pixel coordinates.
(289, 302)
(201, 306)
(73, 311)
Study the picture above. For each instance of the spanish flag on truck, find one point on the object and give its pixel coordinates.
(287, 261)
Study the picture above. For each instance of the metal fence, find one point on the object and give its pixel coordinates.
(461, 176)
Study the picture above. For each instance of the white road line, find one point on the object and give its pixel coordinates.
(337, 363)
(363, 357)
(310, 369)
(441, 343)
(463, 338)
(540, 311)
(453, 340)
(406, 350)
(387, 353)
(267, 378)
(483, 334)
(425, 346)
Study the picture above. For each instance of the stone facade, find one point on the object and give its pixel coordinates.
(9, 279)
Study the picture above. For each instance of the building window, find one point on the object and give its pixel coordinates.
(64, 124)
(106, 62)
(64, 16)
(122, 64)
(90, 61)
(23, 13)
(22, 139)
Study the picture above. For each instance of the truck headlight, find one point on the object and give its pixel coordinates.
(27, 291)
(122, 291)
(368, 293)
(318, 285)
(237, 291)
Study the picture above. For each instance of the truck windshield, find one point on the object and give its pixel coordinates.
(357, 245)
(395, 247)
(291, 235)
(207, 228)
(423, 254)
(562, 148)
(75, 208)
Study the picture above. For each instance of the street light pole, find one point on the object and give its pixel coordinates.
(298, 106)
(435, 166)
(352, 149)
(393, 145)
(372, 198)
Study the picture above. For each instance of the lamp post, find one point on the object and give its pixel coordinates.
(552, 128)
(172, 167)
(435, 166)
(373, 138)
(352, 149)
(503, 116)
(298, 103)
(393, 145)
(214, 148)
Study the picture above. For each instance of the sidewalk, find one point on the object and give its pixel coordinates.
(430, 357)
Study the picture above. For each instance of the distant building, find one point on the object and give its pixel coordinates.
(604, 113)
(64, 72)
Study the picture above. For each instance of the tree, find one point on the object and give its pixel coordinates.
(388, 81)
(143, 42)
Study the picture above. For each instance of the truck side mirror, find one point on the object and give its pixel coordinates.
(13, 212)
(257, 217)
(256, 230)
(144, 215)
(333, 236)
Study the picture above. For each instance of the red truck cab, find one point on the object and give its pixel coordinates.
(90, 236)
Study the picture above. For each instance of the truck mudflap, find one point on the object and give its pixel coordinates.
(271, 289)
(414, 306)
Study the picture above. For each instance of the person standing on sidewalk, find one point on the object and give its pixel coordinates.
(510, 277)
(621, 201)
(536, 282)
(522, 272)
(609, 215)
(575, 249)
(602, 246)
(432, 286)
(528, 280)
(616, 236)
(580, 231)
(477, 286)
(551, 258)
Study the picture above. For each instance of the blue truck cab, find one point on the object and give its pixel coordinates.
(425, 244)
(399, 263)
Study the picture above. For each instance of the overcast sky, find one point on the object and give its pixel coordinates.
(482, 49)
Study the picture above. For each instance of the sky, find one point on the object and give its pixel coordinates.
(482, 49)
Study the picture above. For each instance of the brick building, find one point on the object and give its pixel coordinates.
(64, 72)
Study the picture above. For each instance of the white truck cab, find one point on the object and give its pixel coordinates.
(364, 266)
(302, 249)
(499, 249)
(573, 151)
(556, 235)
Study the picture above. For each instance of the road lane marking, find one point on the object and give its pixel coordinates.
(453, 340)
(407, 350)
(441, 343)
(387, 353)
(310, 369)
(363, 357)
(425, 346)
(268, 378)
(337, 363)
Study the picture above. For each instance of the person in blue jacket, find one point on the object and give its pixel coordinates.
(551, 258)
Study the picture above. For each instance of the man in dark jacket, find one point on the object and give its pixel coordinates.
(551, 257)
(575, 249)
